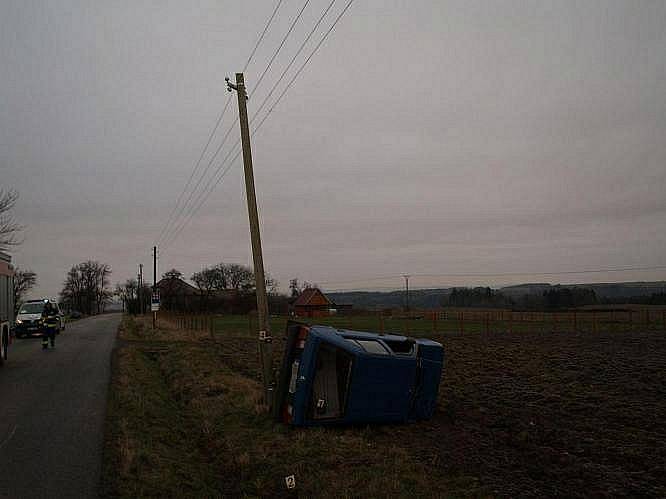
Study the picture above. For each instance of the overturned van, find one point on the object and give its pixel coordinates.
(337, 376)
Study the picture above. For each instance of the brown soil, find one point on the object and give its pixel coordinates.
(557, 414)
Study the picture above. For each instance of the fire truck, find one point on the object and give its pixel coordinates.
(6, 304)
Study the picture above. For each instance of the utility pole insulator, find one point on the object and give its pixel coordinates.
(238, 87)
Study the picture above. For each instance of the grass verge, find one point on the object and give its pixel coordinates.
(182, 424)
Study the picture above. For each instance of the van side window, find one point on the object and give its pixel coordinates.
(404, 347)
(374, 347)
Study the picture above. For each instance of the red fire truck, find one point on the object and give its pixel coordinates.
(6, 304)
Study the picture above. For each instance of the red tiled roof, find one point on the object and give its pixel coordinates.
(307, 295)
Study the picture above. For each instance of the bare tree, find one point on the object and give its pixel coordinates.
(24, 281)
(207, 281)
(172, 274)
(86, 287)
(294, 288)
(9, 228)
(239, 277)
(127, 292)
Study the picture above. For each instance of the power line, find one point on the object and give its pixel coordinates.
(205, 193)
(277, 51)
(196, 166)
(314, 51)
(263, 74)
(263, 33)
(566, 272)
(217, 124)
(505, 274)
(184, 207)
(293, 59)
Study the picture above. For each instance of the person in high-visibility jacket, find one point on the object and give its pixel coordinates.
(51, 320)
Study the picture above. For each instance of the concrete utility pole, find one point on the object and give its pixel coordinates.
(141, 288)
(265, 339)
(154, 282)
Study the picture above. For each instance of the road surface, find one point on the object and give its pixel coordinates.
(52, 406)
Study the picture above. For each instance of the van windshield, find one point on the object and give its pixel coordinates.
(32, 308)
(331, 383)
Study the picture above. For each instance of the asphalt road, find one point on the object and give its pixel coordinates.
(52, 406)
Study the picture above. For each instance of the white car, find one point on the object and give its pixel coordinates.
(29, 318)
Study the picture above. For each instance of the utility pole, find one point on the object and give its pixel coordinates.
(265, 339)
(154, 283)
(406, 291)
(138, 292)
(141, 288)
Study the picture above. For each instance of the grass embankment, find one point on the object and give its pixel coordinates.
(182, 423)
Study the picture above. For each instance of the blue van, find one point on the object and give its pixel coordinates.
(337, 376)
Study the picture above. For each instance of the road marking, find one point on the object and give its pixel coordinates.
(9, 437)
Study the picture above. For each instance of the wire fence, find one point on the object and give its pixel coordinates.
(429, 323)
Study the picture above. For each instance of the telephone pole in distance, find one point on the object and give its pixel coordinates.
(154, 283)
(140, 289)
(406, 276)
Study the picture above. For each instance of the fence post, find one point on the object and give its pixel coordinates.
(487, 324)
(460, 321)
(511, 322)
(631, 320)
(575, 321)
(613, 324)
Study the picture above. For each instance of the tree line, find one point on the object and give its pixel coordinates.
(555, 298)
(224, 287)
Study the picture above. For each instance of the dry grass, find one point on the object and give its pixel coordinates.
(523, 414)
(181, 423)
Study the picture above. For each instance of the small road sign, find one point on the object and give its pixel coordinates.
(155, 302)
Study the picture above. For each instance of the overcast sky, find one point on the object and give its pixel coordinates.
(425, 137)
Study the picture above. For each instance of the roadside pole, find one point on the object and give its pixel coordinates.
(141, 288)
(406, 276)
(154, 284)
(138, 289)
(265, 339)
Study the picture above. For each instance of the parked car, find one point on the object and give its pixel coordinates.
(337, 376)
(29, 320)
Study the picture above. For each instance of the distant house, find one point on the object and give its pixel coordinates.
(313, 303)
(176, 294)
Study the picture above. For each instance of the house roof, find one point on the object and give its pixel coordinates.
(307, 295)
(173, 284)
